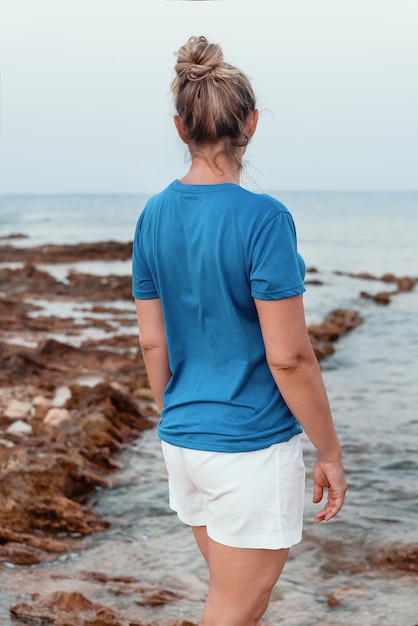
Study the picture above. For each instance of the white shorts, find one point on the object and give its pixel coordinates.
(245, 499)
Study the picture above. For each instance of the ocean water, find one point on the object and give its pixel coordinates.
(373, 388)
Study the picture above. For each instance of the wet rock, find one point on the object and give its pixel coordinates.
(101, 602)
(68, 608)
(75, 609)
(101, 577)
(401, 556)
(29, 279)
(346, 593)
(72, 447)
(59, 362)
(95, 287)
(403, 283)
(383, 297)
(40, 542)
(66, 436)
(336, 324)
(14, 236)
(131, 586)
(161, 596)
(13, 314)
(37, 484)
(96, 251)
(69, 454)
(313, 282)
(21, 554)
(17, 282)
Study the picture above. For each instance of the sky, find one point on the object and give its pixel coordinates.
(85, 104)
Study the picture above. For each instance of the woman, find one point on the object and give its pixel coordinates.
(218, 285)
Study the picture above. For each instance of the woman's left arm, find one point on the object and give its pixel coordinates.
(153, 342)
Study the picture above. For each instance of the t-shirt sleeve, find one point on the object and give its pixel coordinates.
(143, 286)
(277, 270)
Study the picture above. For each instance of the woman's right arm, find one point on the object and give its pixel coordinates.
(297, 374)
(153, 342)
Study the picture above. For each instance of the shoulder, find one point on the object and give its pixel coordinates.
(154, 205)
(262, 202)
(261, 212)
(156, 199)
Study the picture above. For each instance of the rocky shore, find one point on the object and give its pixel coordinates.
(73, 394)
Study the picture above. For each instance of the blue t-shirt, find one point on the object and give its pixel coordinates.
(207, 251)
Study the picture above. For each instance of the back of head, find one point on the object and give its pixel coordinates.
(212, 97)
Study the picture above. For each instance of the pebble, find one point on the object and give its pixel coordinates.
(19, 427)
(62, 394)
(17, 409)
(41, 401)
(56, 416)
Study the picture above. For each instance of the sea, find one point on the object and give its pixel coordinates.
(372, 382)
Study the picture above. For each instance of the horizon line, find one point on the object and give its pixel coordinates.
(150, 193)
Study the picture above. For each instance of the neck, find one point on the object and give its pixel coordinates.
(207, 176)
(211, 167)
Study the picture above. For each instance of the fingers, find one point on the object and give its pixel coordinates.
(329, 476)
(318, 493)
(330, 510)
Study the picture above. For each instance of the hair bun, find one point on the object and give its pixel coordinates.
(198, 59)
(212, 98)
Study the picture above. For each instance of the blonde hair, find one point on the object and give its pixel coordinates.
(212, 97)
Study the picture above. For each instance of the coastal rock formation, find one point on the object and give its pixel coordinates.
(67, 407)
(111, 595)
(336, 324)
(67, 253)
(29, 281)
(403, 284)
(401, 557)
(43, 475)
(65, 608)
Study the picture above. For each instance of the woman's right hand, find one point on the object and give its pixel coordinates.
(328, 475)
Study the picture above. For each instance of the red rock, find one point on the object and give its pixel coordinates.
(21, 554)
(161, 596)
(40, 491)
(68, 609)
(404, 283)
(400, 556)
(330, 330)
(103, 251)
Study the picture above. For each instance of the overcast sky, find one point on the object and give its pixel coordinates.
(85, 103)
